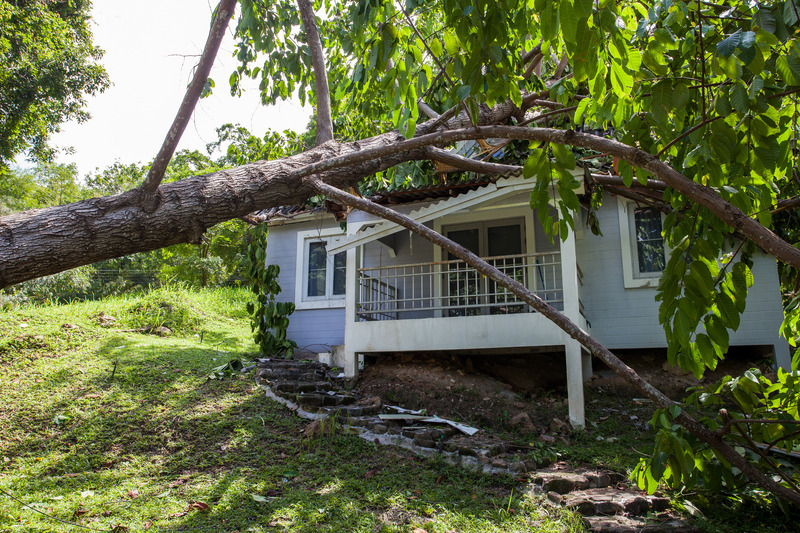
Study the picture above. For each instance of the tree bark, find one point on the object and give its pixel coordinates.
(322, 91)
(41, 242)
(562, 321)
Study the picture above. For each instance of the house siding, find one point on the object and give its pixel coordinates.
(628, 318)
(619, 318)
(314, 330)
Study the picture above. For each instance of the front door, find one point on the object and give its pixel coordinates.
(470, 293)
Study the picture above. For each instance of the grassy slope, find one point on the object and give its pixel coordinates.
(138, 449)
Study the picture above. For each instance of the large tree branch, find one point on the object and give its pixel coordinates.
(569, 327)
(41, 242)
(222, 17)
(322, 90)
(708, 198)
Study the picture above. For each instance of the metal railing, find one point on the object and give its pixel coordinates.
(453, 288)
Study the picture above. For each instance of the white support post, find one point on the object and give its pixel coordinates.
(577, 367)
(351, 301)
(574, 354)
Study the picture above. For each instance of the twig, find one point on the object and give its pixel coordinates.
(785, 93)
(114, 370)
(685, 133)
(51, 517)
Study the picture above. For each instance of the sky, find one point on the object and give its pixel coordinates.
(151, 47)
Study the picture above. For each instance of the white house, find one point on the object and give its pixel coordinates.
(374, 287)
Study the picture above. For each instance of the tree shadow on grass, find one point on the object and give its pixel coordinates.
(159, 437)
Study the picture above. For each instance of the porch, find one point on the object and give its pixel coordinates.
(394, 303)
(454, 289)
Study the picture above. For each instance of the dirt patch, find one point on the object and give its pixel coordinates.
(520, 395)
(652, 365)
(459, 387)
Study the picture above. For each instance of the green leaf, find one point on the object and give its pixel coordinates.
(568, 21)
(739, 98)
(463, 91)
(727, 45)
(450, 43)
(681, 327)
(707, 351)
(661, 97)
(534, 163)
(727, 310)
(435, 46)
(789, 69)
(763, 19)
(789, 12)
(563, 156)
(580, 112)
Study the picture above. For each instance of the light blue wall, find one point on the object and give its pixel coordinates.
(409, 249)
(620, 318)
(628, 318)
(313, 329)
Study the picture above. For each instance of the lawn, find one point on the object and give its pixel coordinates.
(115, 429)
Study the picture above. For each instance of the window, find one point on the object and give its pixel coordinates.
(321, 278)
(643, 251)
(470, 293)
(649, 242)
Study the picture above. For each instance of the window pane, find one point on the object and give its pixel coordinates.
(504, 240)
(316, 269)
(649, 243)
(339, 273)
(468, 238)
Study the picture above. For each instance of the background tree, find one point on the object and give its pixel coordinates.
(48, 65)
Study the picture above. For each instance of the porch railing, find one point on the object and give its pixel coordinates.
(453, 289)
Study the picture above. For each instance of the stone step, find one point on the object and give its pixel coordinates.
(300, 386)
(313, 399)
(269, 375)
(609, 501)
(565, 482)
(353, 411)
(635, 524)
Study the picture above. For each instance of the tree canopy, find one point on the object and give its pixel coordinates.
(48, 64)
(687, 106)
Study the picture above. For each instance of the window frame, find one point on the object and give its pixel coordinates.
(632, 277)
(301, 298)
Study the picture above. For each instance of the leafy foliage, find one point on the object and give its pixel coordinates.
(269, 318)
(710, 88)
(49, 65)
(758, 415)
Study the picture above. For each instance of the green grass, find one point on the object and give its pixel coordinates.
(106, 428)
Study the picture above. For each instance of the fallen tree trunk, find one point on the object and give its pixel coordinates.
(46, 241)
(41, 242)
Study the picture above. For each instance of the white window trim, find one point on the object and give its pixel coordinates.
(632, 278)
(301, 301)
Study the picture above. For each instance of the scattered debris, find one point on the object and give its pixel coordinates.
(430, 420)
(226, 370)
(105, 320)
